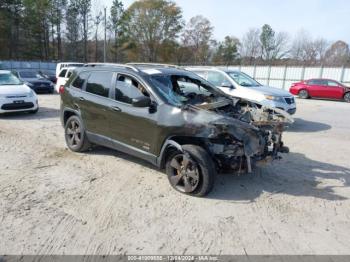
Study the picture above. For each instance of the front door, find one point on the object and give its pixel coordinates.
(135, 127)
(334, 90)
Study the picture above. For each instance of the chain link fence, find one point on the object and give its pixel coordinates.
(284, 76)
(32, 65)
(276, 76)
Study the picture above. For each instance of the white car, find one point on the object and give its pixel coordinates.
(63, 77)
(59, 66)
(15, 96)
(239, 84)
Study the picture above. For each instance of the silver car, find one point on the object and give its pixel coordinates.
(239, 84)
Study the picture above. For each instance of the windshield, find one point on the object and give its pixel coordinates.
(183, 89)
(28, 74)
(243, 79)
(9, 79)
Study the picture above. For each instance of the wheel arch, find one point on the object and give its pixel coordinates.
(67, 113)
(175, 144)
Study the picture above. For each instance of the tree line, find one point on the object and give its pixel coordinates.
(147, 31)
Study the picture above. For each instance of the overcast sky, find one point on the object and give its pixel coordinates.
(322, 18)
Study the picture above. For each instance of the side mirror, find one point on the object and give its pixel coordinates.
(227, 85)
(141, 101)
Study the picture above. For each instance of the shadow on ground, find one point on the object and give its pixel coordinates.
(295, 175)
(44, 113)
(301, 125)
(100, 150)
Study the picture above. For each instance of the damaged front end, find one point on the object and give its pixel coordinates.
(241, 134)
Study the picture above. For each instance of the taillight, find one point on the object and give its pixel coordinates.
(61, 89)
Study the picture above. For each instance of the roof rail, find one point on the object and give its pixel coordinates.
(154, 64)
(112, 64)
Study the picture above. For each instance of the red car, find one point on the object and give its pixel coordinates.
(321, 88)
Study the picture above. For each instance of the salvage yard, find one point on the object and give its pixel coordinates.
(53, 201)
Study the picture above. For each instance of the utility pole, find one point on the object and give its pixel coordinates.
(104, 43)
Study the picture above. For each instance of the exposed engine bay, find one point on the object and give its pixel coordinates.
(261, 140)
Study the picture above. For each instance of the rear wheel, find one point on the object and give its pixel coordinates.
(191, 172)
(303, 94)
(75, 135)
(347, 97)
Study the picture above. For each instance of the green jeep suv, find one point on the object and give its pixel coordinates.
(171, 118)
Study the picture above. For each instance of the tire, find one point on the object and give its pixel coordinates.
(75, 135)
(191, 172)
(303, 94)
(347, 97)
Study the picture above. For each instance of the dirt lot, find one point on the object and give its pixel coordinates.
(53, 201)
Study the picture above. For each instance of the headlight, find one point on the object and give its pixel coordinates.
(31, 93)
(274, 98)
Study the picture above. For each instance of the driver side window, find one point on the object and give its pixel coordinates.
(128, 88)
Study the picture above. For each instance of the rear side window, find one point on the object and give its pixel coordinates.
(63, 73)
(69, 74)
(80, 80)
(318, 82)
(99, 83)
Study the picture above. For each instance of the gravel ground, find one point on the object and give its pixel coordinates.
(53, 201)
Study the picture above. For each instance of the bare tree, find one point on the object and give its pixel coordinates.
(198, 36)
(281, 46)
(321, 45)
(307, 50)
(250, 45)
(338, 54)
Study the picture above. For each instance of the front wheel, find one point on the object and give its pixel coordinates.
(75, 135)
(347, 97)
(303, 94)
(192, 171)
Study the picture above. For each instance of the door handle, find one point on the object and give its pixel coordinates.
(81, 98)
(115, 108)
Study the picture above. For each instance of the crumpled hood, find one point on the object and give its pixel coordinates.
(267, 90)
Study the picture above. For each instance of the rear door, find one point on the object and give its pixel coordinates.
(94, 102)
(317, 87)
